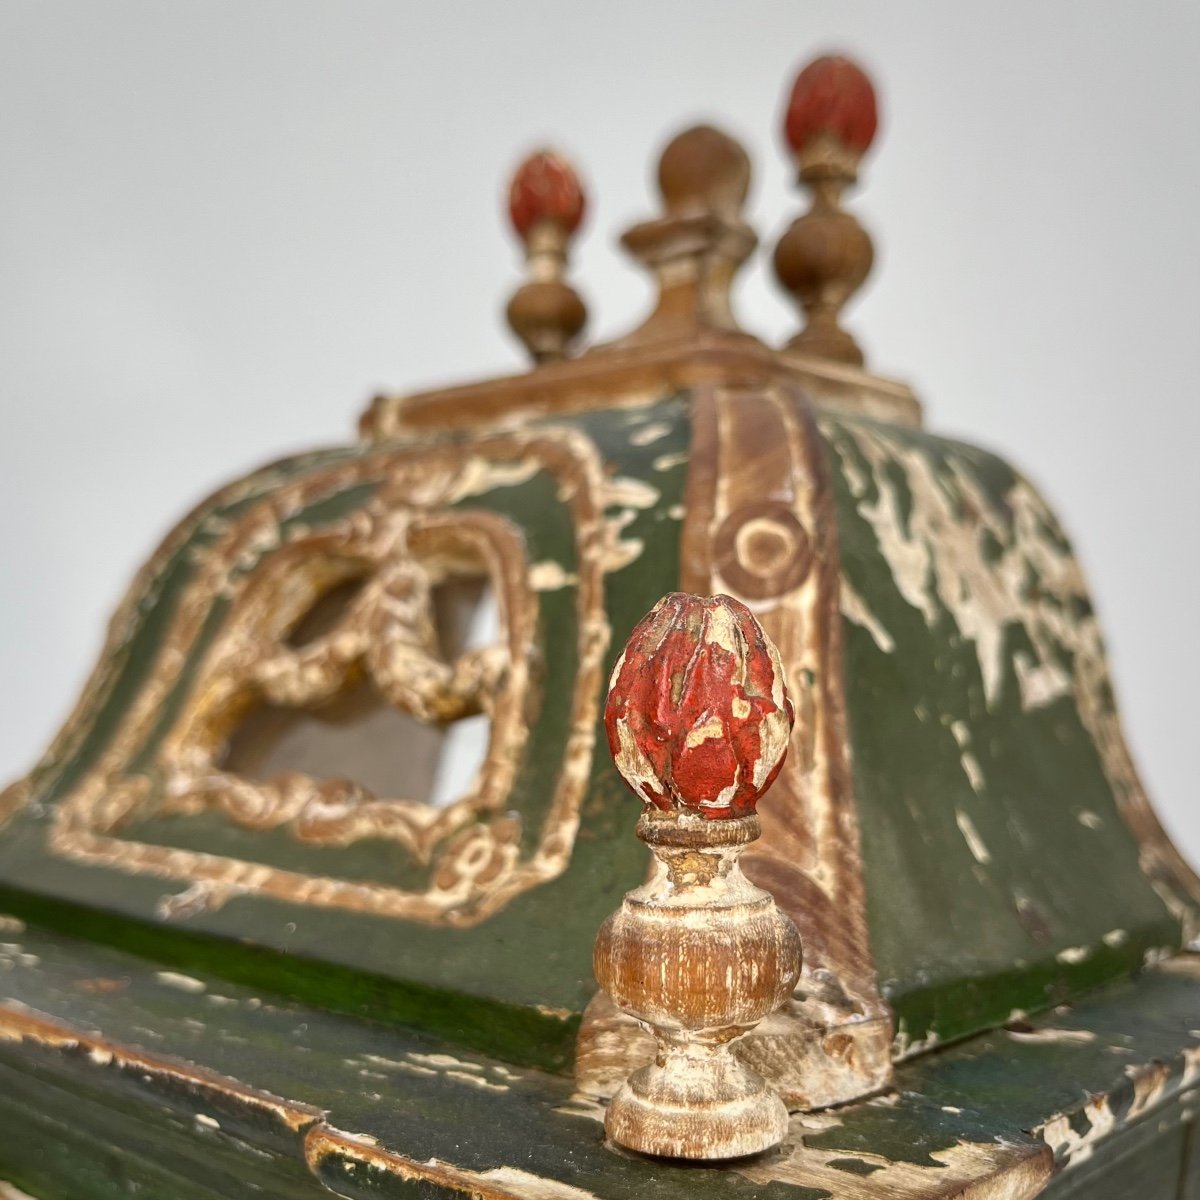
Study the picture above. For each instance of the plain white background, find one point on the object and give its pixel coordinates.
(223, 225)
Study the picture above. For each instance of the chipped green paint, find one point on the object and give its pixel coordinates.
(388, 1089)
(515, 1032)
(443, 978)
(988, 761)
(428, 1103)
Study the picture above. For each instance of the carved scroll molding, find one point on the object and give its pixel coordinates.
(402, 521)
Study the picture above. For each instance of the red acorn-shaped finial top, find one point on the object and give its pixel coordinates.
(698, 717)
(832, 96)
(545, 188)
(546, 204)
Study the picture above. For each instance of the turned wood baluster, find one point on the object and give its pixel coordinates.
(698, 722)
(825, 255)
(546, 205)
(697, 246)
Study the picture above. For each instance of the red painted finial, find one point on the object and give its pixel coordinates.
(698, 720)
(546, 205)
(545, 188)
(698, 717)
(832, 96)
(824, 256)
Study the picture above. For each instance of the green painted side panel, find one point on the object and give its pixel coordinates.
(1147, 1162)
(79, 1125)
(524, 973)
(82, 1142)
(1190, 1182)
(414, 1095)
(513, 1032)
(987, 756)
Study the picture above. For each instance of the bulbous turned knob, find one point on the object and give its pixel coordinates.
(698, 721)
(704, 170)
(546, 205)
(825, 256)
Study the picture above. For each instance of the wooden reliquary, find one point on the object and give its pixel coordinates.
(304, 897)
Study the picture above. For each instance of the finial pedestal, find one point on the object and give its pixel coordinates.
(698, 721)
(696, 248)
(699, 955)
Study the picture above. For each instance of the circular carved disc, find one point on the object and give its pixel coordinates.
(762, 550)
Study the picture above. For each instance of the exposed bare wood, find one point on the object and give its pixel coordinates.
(697, 247)
(965, 1171)
(698, 722)
(630, 375)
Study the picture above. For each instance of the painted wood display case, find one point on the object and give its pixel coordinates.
(302, 899)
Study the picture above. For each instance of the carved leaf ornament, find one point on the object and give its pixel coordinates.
(697, 717)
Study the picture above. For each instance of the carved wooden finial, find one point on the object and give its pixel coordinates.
(696, 248)
(546, 205)
(825, 256)
(698, 722)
